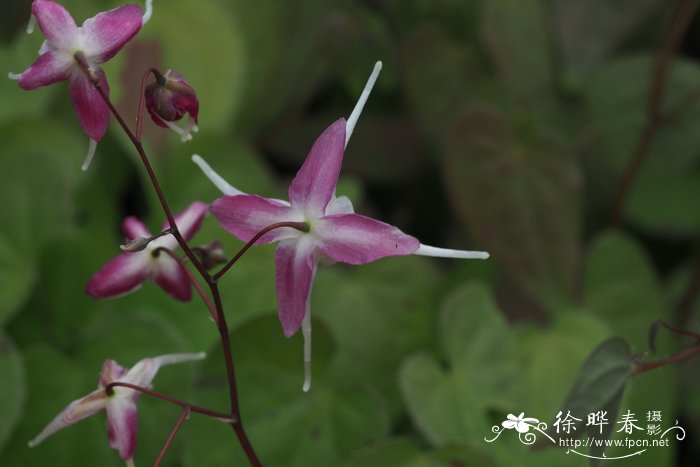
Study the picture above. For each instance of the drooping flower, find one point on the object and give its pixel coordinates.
(168, 99)
(334, 230)
(128, 271)
(68, 47)
(120, 404)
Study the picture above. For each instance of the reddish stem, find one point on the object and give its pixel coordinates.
(180, 420)
(109, 389)
(193, 281)
(301, 226)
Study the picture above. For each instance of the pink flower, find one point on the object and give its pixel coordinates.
(128, 271)
(335, 231)
(120, 405)
(67, 45)
(168, 99)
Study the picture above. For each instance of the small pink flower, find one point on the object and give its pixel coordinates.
(120, 405)
(335, 231)
(168, 99)
(95, 42)
(128, 271)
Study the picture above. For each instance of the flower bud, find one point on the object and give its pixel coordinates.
(168, 99)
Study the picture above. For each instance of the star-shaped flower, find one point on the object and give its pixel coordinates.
(120, 405)
(128, 271)
(67, 46)
(334, 230)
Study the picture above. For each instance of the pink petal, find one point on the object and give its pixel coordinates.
(74, 412)
(111, 371)
(356, 239)
(49, 68)
(295, 268)
(190, 220)
(134, 228)
(120, 275)
(246, 215)
(314, 184)
(92, 112)
(107, 32)
(122, 425)
(172, 278)
(57, 25)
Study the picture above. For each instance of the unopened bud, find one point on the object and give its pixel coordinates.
(211, 255)
(168, 99)
(137, 244)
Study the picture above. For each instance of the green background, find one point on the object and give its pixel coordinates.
(502, 125)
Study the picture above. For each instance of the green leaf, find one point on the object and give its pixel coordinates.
(13, 391)
(589, 32)
(515, 35)
(448, 405)
(285, 425)
(621, 288)
(53, 381)
(40, 166)
(600, 381)
(501, 168)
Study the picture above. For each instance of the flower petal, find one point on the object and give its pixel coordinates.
(122, 425)
(215, 178)
(134, 228)
(92, 112)
(189, 220)
(172, 278)
(314, 184)
(57, 25)
(246, 215)
(356, 239)
(145, 370)
(49, 68)
(107, 32)
(74, 412)
(120, 275)
(295, 268)
(111, 372)
(340, 205)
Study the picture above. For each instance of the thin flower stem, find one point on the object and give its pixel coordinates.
(180, 420)
(301, 226)
(109, 389)
(654, 117)
(198, 288)
(142, 95)
(234, 418)
(684, 354)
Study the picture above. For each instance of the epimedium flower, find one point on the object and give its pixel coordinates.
(168, 99)
(335, 231)
(119, 403)
(69, 49)
(128, 271)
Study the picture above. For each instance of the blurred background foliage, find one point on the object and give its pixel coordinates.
(502, 125)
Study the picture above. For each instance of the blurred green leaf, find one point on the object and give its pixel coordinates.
(40, 165)
(515, 35)
(600, 382)
(617, 107)
(286, 426)
(13, 390)
(501, 168)
(449, 405)
(621, 288)
(588, 32)
(53, 382)
(379, 313)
